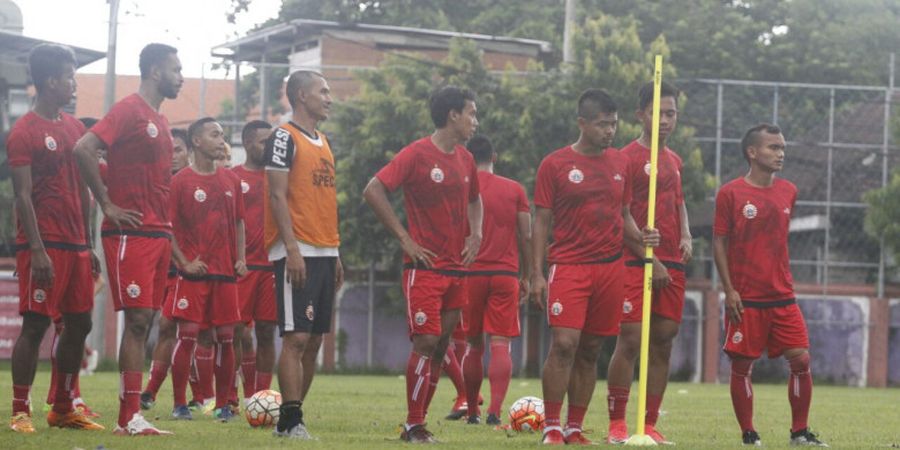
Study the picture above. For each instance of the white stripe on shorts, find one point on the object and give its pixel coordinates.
(288, 302)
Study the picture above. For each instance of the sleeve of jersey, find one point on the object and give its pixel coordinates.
(109, 127)
(397, 171)
(279, 150)
(544, 189)
(722, 221)
(522, 199)
(17, 151)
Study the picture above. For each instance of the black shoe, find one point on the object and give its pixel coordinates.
(807, 438)
(752, 438)
(474, 420)
(147, 400)
(417, 434)
(492, 419)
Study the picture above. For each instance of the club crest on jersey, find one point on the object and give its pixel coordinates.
(182, 303)
(200, 195)
(556, 308)
(420, 318)
(245, 187)
(133, 290)
(737, 337)
(229, 194)
(39, 295)
(152, 131)
(618, 177)
(749, 210)
(310, 313)
(50, 143)
(787, 210)
(437, 175)
(576, 176)
(627, 307)
(647, 168)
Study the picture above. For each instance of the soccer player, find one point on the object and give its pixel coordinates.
(208, 248)
(137, 229)
(494, 281)
(442, 202)
(750, 244)
(54, 260)
(584, 189)
(301, 235)
(256, 290)
(668, 267)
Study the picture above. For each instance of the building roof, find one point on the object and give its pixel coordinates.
(289, 36)
(14, 49)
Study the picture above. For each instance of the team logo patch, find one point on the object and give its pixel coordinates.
(420, 318)
(647, 168)
(133, 290)
(50, 143)
(787, 210)
(627, 307)
(200, 195)
(310, 313)
(39, 295)
(245, 187)
(229, 194)
(182, 303)
(556, 308)
(737, 337)
(437, 175)
(152, 131)
(618, 177)
(576, 176)
(749, 210)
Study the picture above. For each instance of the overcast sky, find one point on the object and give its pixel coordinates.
(193, 26)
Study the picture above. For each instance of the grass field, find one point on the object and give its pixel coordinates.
(346, 411)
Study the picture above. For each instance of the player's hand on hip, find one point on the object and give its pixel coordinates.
(470, 251)
(733, 306)
(122, 217)
(661, 277)
(41, 268)
(538, 290)
(650, 237)
(418, 254)
(687, 249)
(195, 267)
(240, 267)
(338, 275)
(295, 269)
(95, 265)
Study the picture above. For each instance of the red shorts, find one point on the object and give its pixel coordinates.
(209, 302)
(137, 267)
(667, 302)
(166, 307)
(587, 297)
(428, 293)
(72, 291)
(777, 329)
(493, 306)
(256, 293)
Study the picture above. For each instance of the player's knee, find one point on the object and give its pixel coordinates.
(34, 326)
(265, 333)
(425, 344)
(187, 330)
(225, 334)
(79, 324)
(741, 367)
(295, 342)
(563, 350)
(799, 364)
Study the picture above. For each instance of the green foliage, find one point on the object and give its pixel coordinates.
(883, 214)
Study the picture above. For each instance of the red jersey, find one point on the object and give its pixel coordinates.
(503, 200)
(47, 146)
(437, 189)
(253, 188)
(668, 197)
(140, 161)
(205, 210)
(755, 220)
(586, 195)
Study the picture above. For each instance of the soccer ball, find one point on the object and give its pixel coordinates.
(262, 408)
(527, 414)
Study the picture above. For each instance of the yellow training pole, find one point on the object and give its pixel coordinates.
(640, 438)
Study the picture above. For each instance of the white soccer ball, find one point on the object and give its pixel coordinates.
(263, 408)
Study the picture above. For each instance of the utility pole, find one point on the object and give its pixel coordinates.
(109, 93)
(568, 56)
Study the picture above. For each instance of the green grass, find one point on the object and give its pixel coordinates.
(358, 411)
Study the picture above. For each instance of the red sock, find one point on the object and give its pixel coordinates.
(460, 346)
(575, 417)
(129, 396)
(233, 390)
(224, 364)
(473, 374)
(800, 391)
(499, 373)
(263, 381)
(54, 371)
(65, 386)
(20, 402)
(418, 374)
(185, 344)
(617, 401)
(432, 384)
(204, 360)
(742, 392)
(654, 402)
(158, 371)
(453, 370)
(552, 412)
(248, 373)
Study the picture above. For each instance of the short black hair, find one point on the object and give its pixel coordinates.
(252, 126)
(152, 55)
(299, 80)
(446, 99)
(645, 96)
(592, 102)
(48, 61)
(180, 133)
(481, 148)
(196, 128)
(751, 137)
(88, 122)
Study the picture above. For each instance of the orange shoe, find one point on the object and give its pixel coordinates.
(618, 432)
(87, 411)
(460, 408)
(73, 419)
(575, 437)
(656, 436)
(21, 423)
(553, 436)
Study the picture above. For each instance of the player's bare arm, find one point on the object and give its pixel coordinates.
(475, 212)
(195, 267)
(687, 241)
(295, 267)
(240, 266)
(85, 195)
(733, 306)
(637, 240)
(523, 237)
(542, 220)
(41, 267)
(338, 275)
(86, 151)
(377, 198)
